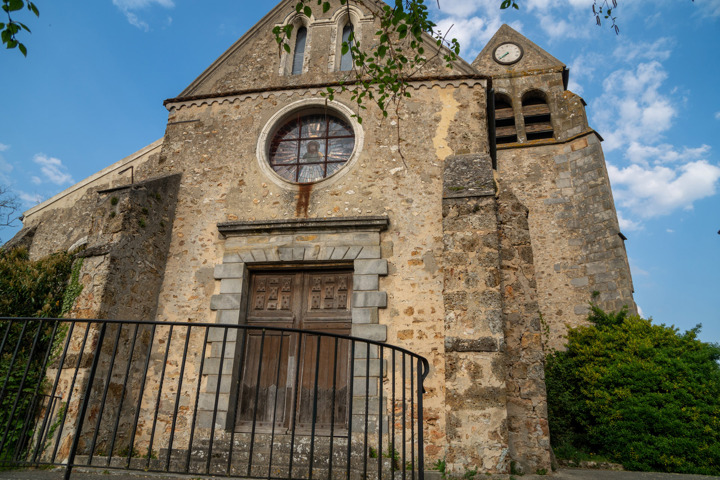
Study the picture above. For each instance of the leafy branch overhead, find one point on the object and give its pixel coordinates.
(10, 29)
(406, 41)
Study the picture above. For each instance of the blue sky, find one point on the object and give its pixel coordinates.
(91, 91)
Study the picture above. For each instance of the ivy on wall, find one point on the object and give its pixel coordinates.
(45, 288)
(33, 288)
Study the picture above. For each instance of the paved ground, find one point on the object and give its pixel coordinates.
(564, 474)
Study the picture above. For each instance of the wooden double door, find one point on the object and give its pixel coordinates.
(288, 379)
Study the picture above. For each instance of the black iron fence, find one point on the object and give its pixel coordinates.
(208, 399)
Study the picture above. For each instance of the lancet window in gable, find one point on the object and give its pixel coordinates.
(346, 59)
(299, 52)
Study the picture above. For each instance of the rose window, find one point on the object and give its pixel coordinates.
(308, 148)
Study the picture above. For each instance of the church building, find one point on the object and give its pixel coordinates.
(472, 230)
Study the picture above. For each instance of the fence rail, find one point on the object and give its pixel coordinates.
(208, 399)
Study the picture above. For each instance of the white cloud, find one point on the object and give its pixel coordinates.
(627, 225)
(52, 170)
(665, 153)
(138, 4)
(635, 113)
(710, 8)
(128, 7)
(5, 166)
(660, 49)
(561, 5)
(30, 198)
(582, 68)
(472, 33)
(473, 23)
(633, 107)
(660, 190)
(717, 115)
(558, 28)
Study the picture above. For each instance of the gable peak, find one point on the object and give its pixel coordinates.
(533, 57)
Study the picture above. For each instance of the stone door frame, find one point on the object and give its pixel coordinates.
(348, 241)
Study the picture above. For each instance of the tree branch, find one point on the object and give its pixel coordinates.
(9, 207)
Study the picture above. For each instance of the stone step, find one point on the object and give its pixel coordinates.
(239, 466)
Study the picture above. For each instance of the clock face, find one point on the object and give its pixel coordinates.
(508, 53)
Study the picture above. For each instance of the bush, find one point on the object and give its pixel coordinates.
(27, 289)
(644, 395)
(32, 288)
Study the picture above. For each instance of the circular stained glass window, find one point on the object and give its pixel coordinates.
(308, 148)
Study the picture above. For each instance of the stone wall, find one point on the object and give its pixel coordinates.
(475, 369)
(528, 432)
(121, 274)
(574, 230)
(64, 220)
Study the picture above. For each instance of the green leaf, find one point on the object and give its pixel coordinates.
(307, 11)
(22, 49)
(326, 7)
(286, 47)
(14, 5)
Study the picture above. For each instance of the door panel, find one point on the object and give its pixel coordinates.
(266, 395)
(332, 396)
(310, 300)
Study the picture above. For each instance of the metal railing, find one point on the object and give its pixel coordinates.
(208, 399)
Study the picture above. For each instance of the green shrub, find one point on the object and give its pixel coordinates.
(644, 395)
(28, 289)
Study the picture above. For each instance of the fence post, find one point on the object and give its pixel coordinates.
(421, 444)
(86, 401)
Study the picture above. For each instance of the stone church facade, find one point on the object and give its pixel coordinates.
(473, 240)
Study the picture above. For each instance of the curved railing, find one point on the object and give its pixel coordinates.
(208, 399)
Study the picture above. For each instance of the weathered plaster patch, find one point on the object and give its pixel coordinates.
(447, 115)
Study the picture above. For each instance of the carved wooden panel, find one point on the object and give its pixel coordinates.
(329, 291)
(271, 292)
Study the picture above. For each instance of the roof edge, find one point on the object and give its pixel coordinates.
(321, 85)
(85, 182)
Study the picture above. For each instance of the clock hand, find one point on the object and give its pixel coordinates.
(506, 54)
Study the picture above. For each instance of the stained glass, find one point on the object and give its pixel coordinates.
(333, 167)
(312, 151)
(288, 173)
(338, 128)
(314, 126)
(308, 148)
(311, 173)
(340, 149)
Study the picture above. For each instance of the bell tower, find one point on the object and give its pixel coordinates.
(551, 159)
